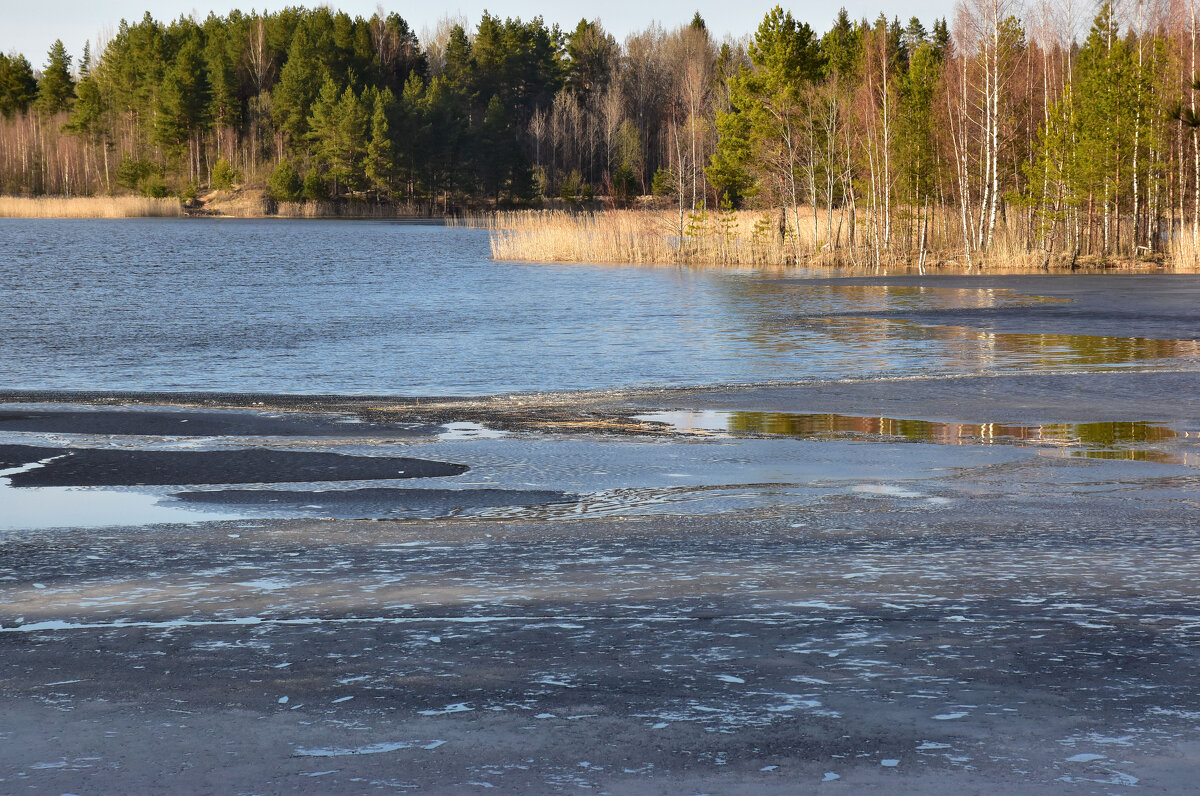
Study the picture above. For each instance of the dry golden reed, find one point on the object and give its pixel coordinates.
(749, 238)
(1184, 253)
(89, 207)
(637, 236)
(726, 238)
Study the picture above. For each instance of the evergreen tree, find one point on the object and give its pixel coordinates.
(412, 133)
(56, 89)
(182, 100)
(761, 136)
(459, 70)
(591, 53)
(496, 149)
(379, 163)
(89, 112)
(841, 48)
(224, 107)
(940, 38)
(18, 86)
(315, 188)
(300, 82)
(1105, 115)
(915, 139)
(338, 134)
(284, 184)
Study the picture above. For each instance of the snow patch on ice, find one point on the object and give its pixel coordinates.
(457, 707)
(373, 749)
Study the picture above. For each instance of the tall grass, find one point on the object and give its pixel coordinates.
(89, 207)
(1184, 253)
(636, 236)
(350, 209)
(748, 238)
(724, 238)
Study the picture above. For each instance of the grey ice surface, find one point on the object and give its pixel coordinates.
(1020, 642)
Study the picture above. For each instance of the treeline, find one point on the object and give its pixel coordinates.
(1047, 132)
(317, 104)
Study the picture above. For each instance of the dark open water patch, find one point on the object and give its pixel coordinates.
(375, 502)
(177, 422)
(93, 467)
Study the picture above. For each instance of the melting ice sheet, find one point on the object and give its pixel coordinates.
(57, 507)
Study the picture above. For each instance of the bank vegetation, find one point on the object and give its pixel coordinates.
(89, 207)
(1034, 135)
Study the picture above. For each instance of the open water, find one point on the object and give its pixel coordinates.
(414, 309)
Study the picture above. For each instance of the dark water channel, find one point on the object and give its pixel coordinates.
(391, 308)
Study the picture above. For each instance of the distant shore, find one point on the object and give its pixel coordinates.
(218, 204)
(643, 236)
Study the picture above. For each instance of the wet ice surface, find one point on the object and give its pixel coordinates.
(758, 611)
(1009, 642)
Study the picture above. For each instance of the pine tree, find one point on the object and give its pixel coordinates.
(284, 184)
(338, 134)
(1105, 115)
(56, 88)
(224, 109)
(762, 135)
(182, 101)
(379, 164)
(299, 84)
(18, 86)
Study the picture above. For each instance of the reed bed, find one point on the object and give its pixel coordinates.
(350, 209)
(1184, 253)
(732, 238)
(89, 207)
(748, 238)
(637, 236)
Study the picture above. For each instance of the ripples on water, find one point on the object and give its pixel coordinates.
(376, 307)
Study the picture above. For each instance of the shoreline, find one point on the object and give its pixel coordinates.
(590, 237)
(1096, 396)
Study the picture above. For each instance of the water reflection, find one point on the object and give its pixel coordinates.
(821, 297)
(968, 348)
(69, 507)
(1132, 440)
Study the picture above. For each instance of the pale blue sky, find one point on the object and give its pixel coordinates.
(30, 27)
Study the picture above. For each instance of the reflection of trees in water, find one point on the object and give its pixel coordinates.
(784, 318)
(1107, 436)
(1083, 349)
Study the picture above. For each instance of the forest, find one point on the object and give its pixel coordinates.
(1047, 128)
